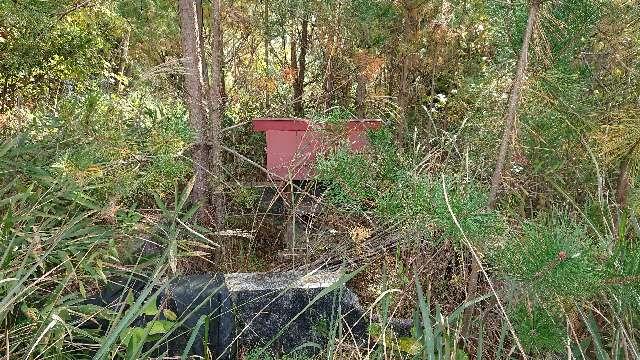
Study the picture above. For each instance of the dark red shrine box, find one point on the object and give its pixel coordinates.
(294, 143)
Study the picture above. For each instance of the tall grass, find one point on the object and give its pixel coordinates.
(57, 250)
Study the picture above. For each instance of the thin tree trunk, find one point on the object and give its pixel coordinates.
(293, 60)
(298, 90)
(293, 56)
(510, 120)
(409, 35)
(284, 49)
(512, 107)
(328, 82)
(361, 93)
(5, 94)
(194, 86)
(267, 41)
(216, 113)
(223, 67)
(124, 60)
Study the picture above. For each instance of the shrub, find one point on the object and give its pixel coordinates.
(386, 184)
(119, 147)
(554, 258)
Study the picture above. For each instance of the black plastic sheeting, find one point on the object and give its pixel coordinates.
(189, 298)
(203, 295)
(281, 321)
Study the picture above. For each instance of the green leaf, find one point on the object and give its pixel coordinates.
(156, 327)
(161, 205)
(129, 299)
(192, 338)
(409, 345)
(85, 200)
(15, 198)
(461, 355)
(132, 336)
(425, 312)
(7, 222)
(82, 289)
(134, 341)
(185, 194)
(92, 311)
(169, 315)
(150, 308)
(31, 313)
(189, 214)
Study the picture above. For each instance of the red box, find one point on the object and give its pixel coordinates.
(294, 143)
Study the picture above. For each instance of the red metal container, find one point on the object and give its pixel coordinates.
(294, 143)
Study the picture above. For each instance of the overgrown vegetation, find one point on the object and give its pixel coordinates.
(99, 166)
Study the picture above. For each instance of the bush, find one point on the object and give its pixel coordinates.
(387, 185)
(554, 258)
(119, 147)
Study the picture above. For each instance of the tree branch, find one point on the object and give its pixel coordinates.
(77, 6)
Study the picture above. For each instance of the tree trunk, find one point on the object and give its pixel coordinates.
(194, 86)
(216, 100)
(293, 60)
(267, 41)
(205, 72)
(328, 84)
(328, 81)
(409, 36)
(124, 60)
(512, 107)
(361, 92)
(284, 48)
(510, 119)
(298, 89)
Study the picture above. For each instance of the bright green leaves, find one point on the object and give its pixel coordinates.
(162, 321)
(135, 337)
(45, 53)
(169, 315)
(394, 343)
(432, 333)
